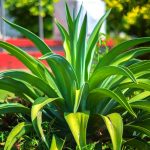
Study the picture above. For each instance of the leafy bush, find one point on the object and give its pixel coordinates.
(75, 106)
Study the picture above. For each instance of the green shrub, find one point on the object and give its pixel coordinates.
(74, 106)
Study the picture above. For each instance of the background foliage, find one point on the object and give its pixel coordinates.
(130, 16)
(26, 12)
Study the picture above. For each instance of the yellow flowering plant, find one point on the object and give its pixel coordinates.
(129, 16)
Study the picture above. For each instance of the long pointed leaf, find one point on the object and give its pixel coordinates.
(13, 108)
(102, 73)
(139, 85)
(97, 95)
(76, 24)
(81, 52)
(36, 116)
(66, 43)
(144, 105)
(126, 56)
(110, 56)
(34, 38)
(137, 67)
(140, 96)
(20, 88)
(35, 66)
(31, 79)
(71, 35)
(81, 97)
(92, 41)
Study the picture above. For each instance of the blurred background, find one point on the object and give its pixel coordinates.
(128, 19)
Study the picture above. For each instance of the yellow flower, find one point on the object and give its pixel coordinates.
(132, 16)
(145, 11)
(114, 4)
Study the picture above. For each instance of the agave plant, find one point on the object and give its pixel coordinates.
(105, 107)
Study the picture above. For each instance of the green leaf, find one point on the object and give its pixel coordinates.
(138, 144)
(97, 95)
(140, 66)
(65, 77)
(71, 35)
(144, 105)
(77, 123)
(111, 55)
(30, 79)
(34, 38)
(126, 56)
(66, 43)
(114, 125)
(20, 89)
(13, 108)
(34, 65)
(91, 43)
(76, 24)
(81, 97)
(143, 74)
(139, 85)
(81, 52)
(140, 96)
(98, 76)
(57, 143)
(16, 133)
(143, 127)
(69, 19)
(36, 115)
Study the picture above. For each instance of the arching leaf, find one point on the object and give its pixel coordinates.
(34, 38)
(144, 105)
(126, 56)
(111, 55)
(102, 73)
(31, 79)
(13, 108)
(20, 89)
(31, 63)
(36, 116)
(97, 95)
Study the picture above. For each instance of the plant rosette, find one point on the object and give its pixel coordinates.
(105, 107)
